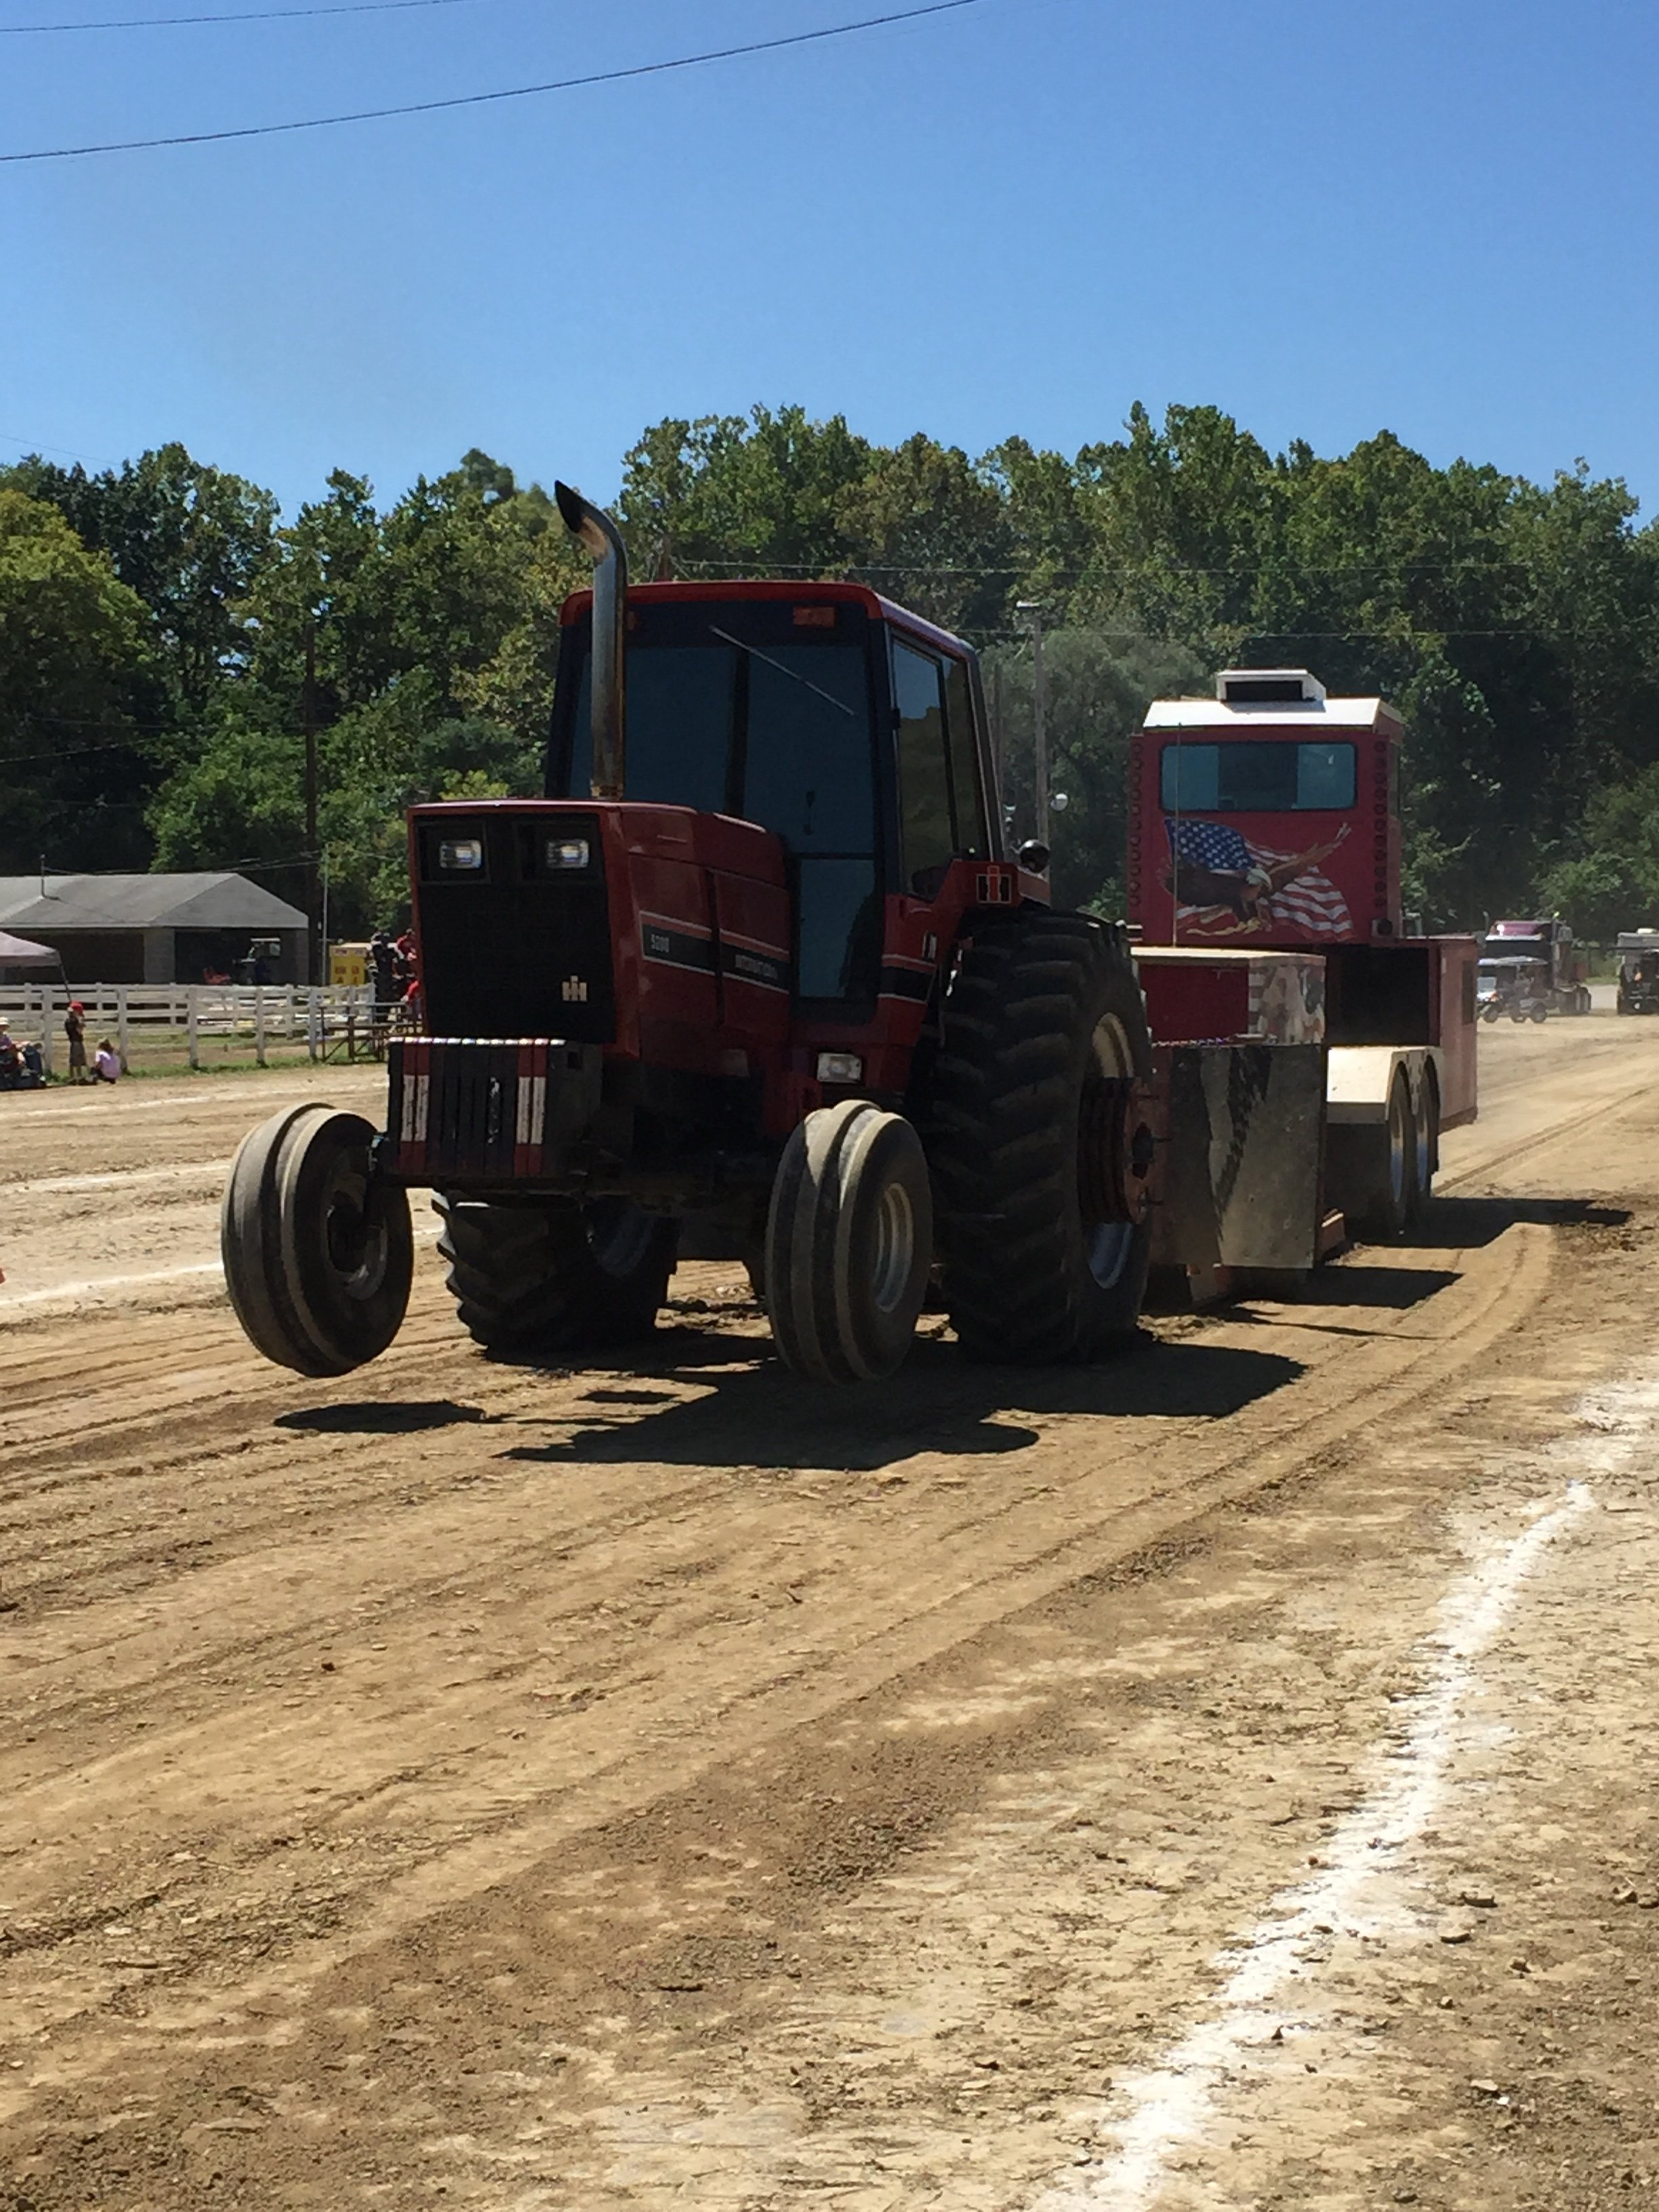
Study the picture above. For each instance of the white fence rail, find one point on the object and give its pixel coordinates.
(326, 1017)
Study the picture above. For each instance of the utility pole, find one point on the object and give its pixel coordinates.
(1039, 706)
(996, 724)
(315, 954)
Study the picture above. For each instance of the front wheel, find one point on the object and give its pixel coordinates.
(552, 1278)
(1039, 1142)
(318, 1249)
(849, 1242)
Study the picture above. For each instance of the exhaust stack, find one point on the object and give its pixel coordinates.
(602, 538)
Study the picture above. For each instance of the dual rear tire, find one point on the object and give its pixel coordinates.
(1389, 1167)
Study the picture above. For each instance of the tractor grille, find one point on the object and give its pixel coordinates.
(515, 948)
(465, 1109)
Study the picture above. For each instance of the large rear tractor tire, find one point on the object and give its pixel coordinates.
(316, 1247)
(849, 1241)
(530, 1278)
(1039, 1148)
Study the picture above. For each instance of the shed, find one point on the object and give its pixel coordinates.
(154, 928)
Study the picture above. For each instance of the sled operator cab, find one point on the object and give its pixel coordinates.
(1266, 819)
(759, 965)
(1268, 815)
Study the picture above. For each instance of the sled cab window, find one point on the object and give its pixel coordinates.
(1256, 776)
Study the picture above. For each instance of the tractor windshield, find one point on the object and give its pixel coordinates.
(741, 708)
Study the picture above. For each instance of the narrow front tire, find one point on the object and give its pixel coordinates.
(317, 1246)
(849, 1242)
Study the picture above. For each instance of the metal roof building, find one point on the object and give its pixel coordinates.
(155, 928)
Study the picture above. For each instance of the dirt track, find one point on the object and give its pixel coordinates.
(1164, 1786)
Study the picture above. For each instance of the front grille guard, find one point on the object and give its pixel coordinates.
(486, 1109)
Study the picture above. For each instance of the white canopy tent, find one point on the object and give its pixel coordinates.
(21, 957)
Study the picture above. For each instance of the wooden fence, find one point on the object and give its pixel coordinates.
(330, 1019)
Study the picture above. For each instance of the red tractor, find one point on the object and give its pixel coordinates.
(759, 961)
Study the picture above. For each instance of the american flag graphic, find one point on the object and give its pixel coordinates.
(1306, 899)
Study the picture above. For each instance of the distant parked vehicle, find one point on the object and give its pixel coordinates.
(1531, 970)
(1638, 971)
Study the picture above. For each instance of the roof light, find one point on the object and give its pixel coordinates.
(1268, 687)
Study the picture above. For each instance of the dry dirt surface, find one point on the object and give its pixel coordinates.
(1220, 1779)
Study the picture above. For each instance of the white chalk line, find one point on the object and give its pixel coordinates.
(89, 1291)
(1359, 1885)
(86, 1290)
(111, 1179)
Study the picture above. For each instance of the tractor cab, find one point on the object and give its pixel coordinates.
(848, 728)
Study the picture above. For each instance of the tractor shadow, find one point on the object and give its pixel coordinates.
(758, 1415)
(372, 1417)
(1471, 1223)
(1366, 1283)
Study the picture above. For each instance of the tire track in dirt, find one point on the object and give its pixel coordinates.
(713, 1685)
(660, 1591)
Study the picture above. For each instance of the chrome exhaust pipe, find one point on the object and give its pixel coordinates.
(602, 538)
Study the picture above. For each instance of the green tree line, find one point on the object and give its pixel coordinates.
(166, 637)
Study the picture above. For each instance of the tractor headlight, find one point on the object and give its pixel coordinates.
(565, 852)
(840, 1067)
(461, 852)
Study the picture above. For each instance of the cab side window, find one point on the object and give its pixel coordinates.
(942, 806)
(924, 771)
(966, 791)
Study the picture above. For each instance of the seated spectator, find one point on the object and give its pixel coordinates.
(11, 1061)
(34, 1067)
(106, 1063)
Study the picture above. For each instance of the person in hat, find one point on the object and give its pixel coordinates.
(75, 1029)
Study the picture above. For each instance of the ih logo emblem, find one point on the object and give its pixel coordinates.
(574, 991)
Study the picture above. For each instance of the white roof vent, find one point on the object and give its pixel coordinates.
(1268, 687)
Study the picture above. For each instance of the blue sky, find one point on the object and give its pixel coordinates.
(1325, 218)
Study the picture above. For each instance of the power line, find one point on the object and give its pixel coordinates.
(511, 92)
(252, 15)
(39, 446)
